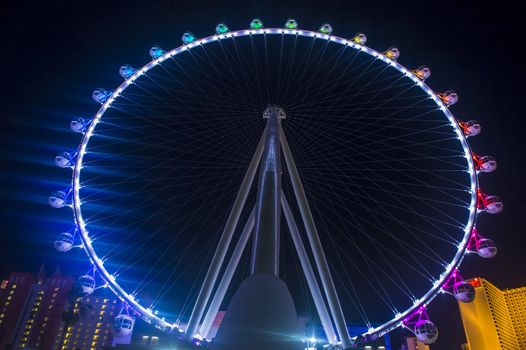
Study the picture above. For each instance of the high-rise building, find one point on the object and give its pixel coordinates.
(32, 309)
(43, 313)
(496, 320)
(91, 325)
(14, 293)
(411, 343)
(516, 301)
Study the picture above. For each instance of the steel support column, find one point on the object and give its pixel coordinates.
(265, 258)
(219, 295)
(319, 302)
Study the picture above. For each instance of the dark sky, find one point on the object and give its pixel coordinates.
(55, 54)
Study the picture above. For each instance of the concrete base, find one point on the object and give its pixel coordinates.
(261, 316)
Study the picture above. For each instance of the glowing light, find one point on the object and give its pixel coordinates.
(291, 24)
(256, 24)
(326, 29)
(222, 28)
(187, 38)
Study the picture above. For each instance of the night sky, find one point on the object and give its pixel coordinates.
(54, 55)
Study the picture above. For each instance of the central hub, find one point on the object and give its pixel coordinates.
(274, 109)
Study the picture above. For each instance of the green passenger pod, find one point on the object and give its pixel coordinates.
(326, 29)
(291, 24)
(256, 24)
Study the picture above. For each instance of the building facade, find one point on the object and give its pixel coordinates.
(496, 319)
(14, 293)
(32, 309)
(90, 326)
(43, 313)
(411, 343)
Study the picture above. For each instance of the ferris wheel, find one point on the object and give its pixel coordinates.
(379, 187)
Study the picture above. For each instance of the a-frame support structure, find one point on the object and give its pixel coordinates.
(264, 286)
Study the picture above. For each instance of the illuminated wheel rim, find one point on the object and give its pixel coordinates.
(148, 314)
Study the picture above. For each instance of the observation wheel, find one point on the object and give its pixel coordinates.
(386, 168)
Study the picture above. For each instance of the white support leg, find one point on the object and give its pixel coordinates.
(224, 243)
(215, 304)
(325, 318)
